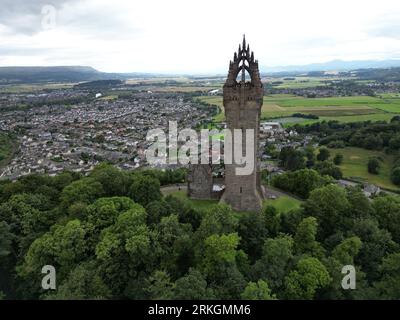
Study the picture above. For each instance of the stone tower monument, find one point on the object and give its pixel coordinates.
(242, 101)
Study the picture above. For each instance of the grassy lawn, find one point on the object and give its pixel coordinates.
(354, 166)
(198, 204)
(284, 203)
(110, 97)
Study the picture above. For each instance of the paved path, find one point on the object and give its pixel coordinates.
(173, 187)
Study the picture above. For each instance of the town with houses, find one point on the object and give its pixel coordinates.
(76, 137)
(75, 129)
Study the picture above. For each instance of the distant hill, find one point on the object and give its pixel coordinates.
(334, 65)
(99, 84)
(10, 75)
(389, 74)
(59, 74)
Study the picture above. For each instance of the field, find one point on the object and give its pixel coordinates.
(29, 88)
(284, 203)
(344, 109)
(354, 166)
(175, 84)
(300, 83)
(198, 204)
(109, 97)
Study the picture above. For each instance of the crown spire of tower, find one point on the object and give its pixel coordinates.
(244, 42)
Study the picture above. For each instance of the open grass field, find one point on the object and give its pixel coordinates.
(109, 97)
(354, 166)
(304, 82)
(300, 82)
(180, 88)
(198, 204)
(283, 203)
(365, 117)
(344, 109)
(29, 88)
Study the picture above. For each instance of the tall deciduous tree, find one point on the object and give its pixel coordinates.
(306, 279)
(145, 189)
(258, 291)
(304, 240)
(275, 262)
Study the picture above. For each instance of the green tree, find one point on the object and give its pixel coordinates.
(300, 182)
(338, 159)
(83, 283)
(186, 212)
(145, 189)
(304, 240)
(387, 212)
(309, 276)
(85, 190)
(6, 238)
(63, 247)
(63, 179)
(193, 286)
(292, 159)
(347, 250)
(219, 219)
(373, 165)
(156, 210)
(388, 287)
(104, 211)
(344, 254)
(126, 250)
(228, 282)
(159, 286)
(275, 261)
(253, 232)
(114, 181)
(175, 241)
(323, 154)
(376, 244)
(395, 175)
(257, 291)
(330, 206)
(310, 155)
(272, 220)
(328, 168)
(394, 142)
(219, 250)
(360, 205)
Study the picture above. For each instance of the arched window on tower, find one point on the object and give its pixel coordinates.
(243, 74)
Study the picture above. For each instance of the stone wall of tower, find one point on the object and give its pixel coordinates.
(242, 110)
(242, 103)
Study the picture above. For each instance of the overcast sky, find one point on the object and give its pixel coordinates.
(194, 36)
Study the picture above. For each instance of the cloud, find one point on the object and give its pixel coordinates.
(386, 26)
(194, 36)
(21, 16)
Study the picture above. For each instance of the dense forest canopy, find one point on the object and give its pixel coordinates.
(113, 235)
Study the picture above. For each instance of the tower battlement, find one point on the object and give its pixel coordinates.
(242, 100)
